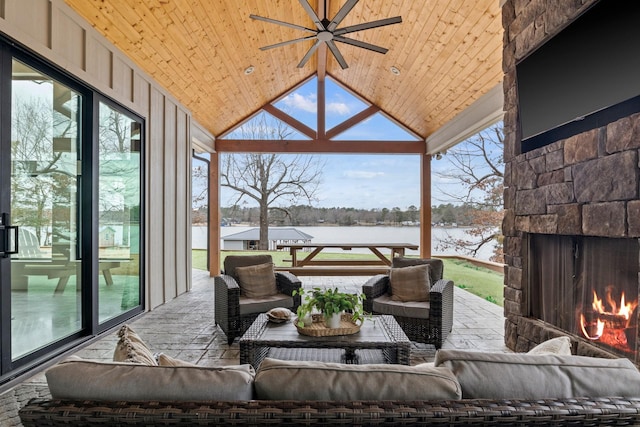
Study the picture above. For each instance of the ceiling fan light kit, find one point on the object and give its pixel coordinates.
(327, 32)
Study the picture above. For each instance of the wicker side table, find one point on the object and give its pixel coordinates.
(380, 340)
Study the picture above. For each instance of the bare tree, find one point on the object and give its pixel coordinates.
(478, 166)
(272, 180)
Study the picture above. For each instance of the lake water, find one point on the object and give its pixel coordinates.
(376, 234)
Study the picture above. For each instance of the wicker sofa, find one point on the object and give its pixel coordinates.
(448, 392)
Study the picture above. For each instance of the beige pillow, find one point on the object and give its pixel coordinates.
(90, 380)
(293, 380)
(410, 283)
(131, 349)
(164, 360)
(257, 281)
(560, 345)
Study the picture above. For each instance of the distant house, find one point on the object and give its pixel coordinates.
(107, 237)
(248, 240)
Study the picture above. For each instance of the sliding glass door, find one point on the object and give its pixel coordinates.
(70, 212)
(46, 289)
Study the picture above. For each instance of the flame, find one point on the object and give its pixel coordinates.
(624, 310)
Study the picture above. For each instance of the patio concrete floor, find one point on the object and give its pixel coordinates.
(184, 328)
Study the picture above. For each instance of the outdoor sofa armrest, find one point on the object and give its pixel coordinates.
(373, 288)
(287, 283)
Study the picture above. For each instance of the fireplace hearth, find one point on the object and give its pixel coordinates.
(588, 287)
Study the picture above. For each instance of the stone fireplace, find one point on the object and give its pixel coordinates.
(572, 215)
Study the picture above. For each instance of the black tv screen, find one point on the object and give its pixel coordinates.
(586, 76)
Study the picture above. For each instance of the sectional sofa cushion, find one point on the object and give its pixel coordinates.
(83, 379)
(531, 376)
(294, 380)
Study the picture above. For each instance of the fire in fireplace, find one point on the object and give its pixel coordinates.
(611, 322)
(587, 286)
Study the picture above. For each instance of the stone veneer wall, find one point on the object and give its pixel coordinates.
(583, 185)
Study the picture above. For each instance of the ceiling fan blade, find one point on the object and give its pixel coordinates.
(285, 24)
(287, 43)
(336, 54)
(309, 53)
(361, 44)
(312, 14)
(342, 13)
(368, 25)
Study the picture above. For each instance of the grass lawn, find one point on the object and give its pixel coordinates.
(483, 282)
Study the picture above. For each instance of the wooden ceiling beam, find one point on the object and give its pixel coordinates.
(351, 122)
(319, 146)
(289, 120)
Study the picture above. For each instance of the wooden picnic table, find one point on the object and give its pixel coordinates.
(301, 266)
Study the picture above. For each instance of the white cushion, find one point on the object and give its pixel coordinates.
(559, 345)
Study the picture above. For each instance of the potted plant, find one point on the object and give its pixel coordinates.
(331, 303)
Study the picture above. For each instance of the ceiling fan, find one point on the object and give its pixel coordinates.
(328, 32)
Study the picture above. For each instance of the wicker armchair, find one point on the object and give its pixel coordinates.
(426, 322)
(234, 313)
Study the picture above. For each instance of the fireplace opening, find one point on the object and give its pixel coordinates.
(587, 286)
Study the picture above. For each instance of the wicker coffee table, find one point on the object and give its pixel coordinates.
(380, 340)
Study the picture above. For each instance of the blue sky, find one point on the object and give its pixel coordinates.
(358, 181)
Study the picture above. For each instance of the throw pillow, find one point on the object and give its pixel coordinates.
(257, 281)
(293, 380)
(164, 360)
(131, 349)
(559, 345)
(81, 379)
(410, 283)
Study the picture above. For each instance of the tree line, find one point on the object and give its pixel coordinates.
(463, 215)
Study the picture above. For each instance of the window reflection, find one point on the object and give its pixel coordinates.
(45, 286)
(119, 212)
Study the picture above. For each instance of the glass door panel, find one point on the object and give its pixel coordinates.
(46, 303)
(119, 202)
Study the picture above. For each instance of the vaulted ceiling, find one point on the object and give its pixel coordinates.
(448, 53)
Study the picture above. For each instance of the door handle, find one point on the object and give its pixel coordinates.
(6, 241)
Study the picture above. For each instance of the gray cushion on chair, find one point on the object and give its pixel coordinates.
(264, 304)
(414, 309)
(436, 271)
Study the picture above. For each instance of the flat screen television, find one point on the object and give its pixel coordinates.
(585, 77)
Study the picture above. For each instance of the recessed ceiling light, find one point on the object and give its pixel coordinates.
(249, 70)
(395, 71)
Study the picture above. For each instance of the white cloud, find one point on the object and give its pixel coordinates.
(300, 102)
(339, 108)
(363, 174)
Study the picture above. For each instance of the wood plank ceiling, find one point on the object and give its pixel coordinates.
(449, 53)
